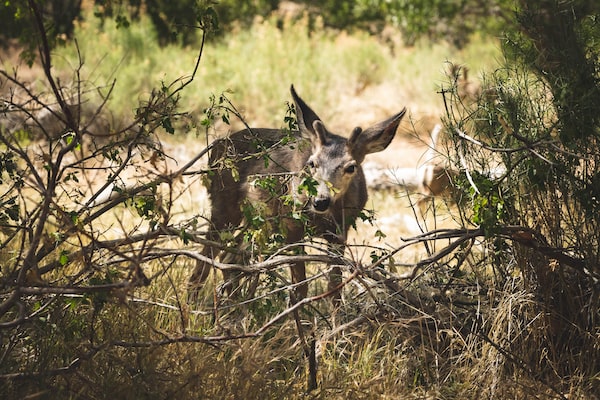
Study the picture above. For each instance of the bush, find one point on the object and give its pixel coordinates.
(535, 126)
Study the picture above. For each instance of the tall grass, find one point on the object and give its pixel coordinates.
(257, 65)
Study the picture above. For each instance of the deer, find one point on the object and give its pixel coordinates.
(331, 161)
(434, 179)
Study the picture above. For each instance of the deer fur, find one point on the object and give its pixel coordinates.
(435, 180)
(333, 161)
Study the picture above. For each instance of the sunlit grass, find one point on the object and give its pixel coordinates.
(330, 70)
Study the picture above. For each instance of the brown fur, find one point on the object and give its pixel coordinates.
(435, 180)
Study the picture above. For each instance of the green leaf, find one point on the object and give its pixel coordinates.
(74, 217)
(63, 259)
(308, 184)
(121, 21)
(166, 123)
(185, 237)
(380, 235)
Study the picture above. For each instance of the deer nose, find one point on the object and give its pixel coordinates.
(321, 204)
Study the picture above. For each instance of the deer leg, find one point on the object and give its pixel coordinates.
(335, 280)
(200, 272)
(335, 274)
(298, 270)
(231, 278)
(221, 219)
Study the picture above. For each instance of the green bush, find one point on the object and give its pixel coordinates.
(537, 123)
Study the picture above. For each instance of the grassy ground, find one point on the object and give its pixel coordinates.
(341, 75)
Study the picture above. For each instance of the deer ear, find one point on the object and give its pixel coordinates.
(309, 124)
(375, 138)
(354, 136)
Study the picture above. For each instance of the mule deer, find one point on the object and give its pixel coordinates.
(434, 179)
(332, 161)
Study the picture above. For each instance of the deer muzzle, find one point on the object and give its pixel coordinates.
(321, 204)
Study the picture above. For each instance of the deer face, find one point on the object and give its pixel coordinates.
(335, 161)
(333, 167)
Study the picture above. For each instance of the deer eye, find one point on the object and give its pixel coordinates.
(350, 169)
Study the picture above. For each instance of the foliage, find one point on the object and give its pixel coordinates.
(535, 129)
(17, 20)
(63, 270)
(455, 21)
(176, 22)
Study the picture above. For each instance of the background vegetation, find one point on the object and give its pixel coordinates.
(102, 215)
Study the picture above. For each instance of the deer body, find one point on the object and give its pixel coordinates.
(332, 161)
